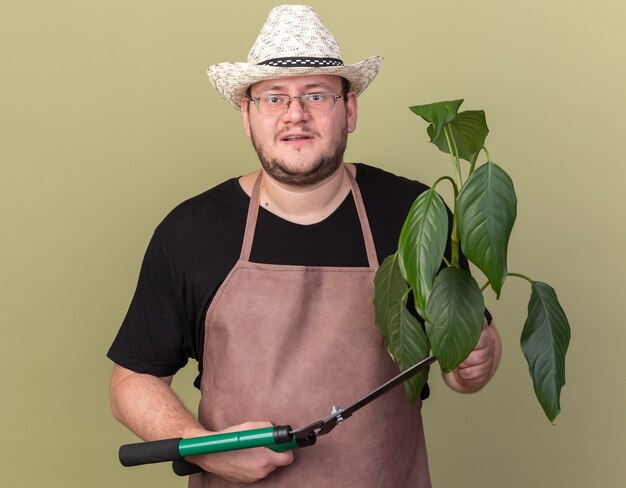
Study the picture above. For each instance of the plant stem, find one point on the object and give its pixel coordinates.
(475, 158)
(518, 275)
(454, 235)
(454, 240)
(446, 178)
(453, 155)
(515, 275)
(406, 295)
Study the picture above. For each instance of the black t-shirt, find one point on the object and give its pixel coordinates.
(197, 244)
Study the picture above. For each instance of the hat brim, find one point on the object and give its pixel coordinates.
(232, 80)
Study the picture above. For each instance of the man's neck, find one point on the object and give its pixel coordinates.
(302, 205)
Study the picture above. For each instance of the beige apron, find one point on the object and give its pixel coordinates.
(283, 344)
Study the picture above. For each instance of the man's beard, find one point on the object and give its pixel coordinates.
(325, 166)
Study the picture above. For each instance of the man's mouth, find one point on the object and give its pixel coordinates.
(295, 137)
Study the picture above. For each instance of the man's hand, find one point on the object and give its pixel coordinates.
(247, 465)
(149, 407)
(478, 368)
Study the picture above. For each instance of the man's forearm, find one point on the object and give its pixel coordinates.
(148, 406)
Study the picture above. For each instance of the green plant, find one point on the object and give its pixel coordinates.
(448, 297)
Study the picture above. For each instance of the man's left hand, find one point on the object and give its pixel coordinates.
(478, 368)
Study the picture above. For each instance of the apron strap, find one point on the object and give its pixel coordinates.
(370, 247)
(253, 212)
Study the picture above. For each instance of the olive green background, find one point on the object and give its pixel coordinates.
(107, 121)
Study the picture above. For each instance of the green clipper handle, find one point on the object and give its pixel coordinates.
(277, 438)
(185, 468)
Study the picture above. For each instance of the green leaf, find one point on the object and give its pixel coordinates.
(405, 339)
(408, 344)
(438, 114)
(486, 211)
(544, 341)
(422, 244)
(469, 130)
(455, 312)
(389, 287)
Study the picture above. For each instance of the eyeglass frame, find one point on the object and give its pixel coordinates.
(255, 100)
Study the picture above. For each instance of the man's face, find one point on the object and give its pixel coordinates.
(296, 147)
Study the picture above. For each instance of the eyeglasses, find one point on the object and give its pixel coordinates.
(311, 103)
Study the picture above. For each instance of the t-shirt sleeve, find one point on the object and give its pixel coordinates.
(150, 339)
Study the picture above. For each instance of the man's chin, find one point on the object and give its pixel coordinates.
(300, 176)
(302, 171)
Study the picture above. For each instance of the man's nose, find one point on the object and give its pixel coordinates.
(295, 109)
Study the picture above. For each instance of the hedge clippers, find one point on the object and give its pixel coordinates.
(278, 438)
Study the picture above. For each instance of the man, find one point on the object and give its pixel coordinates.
(267, 280)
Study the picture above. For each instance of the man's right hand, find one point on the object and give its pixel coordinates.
(150, 408)
(246, 465)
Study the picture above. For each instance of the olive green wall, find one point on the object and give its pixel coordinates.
(107, 121)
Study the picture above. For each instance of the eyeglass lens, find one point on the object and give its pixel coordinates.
(311, 102)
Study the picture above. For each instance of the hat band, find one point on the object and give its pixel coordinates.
(302, 62)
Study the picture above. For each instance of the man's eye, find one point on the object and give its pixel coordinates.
(273, 100)
(316, 97)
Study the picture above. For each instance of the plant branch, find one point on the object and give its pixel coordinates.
(524, 277)
(453, 155)
(454, 235)
(475, 158)
(451, 180)
(405, 296)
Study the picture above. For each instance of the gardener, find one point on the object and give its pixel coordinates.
(267, 281)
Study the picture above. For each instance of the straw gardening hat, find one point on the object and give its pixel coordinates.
(292, 42)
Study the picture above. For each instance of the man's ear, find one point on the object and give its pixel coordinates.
(352, 107)
(245, 115)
